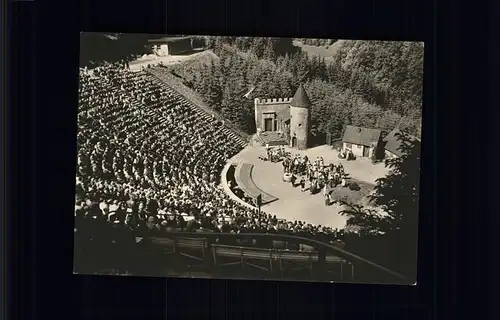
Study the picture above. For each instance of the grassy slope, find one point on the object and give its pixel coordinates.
(321, 51)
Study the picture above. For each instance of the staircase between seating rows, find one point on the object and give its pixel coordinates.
(186, 94)
(151, 115)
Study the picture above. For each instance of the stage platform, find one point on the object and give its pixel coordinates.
(243, 177)
(271, 138)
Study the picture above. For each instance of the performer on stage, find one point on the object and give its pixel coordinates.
(303, 183)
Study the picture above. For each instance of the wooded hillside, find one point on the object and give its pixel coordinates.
(374, 84)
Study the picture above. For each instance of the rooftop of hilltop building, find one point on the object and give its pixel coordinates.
(169, 39)
(300, 99)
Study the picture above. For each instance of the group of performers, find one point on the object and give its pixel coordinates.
(275, 154)
(301, 171)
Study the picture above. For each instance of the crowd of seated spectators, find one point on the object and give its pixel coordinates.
(168, 76)
(149, 163)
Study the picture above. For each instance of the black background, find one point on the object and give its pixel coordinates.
(41, 130)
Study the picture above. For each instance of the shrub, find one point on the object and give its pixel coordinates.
(354, 186)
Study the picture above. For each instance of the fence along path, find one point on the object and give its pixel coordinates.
(194, 99)
(333, 254)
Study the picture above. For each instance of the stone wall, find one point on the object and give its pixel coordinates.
(263, 106)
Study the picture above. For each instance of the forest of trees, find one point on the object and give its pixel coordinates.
(389, 227)
(375, 84)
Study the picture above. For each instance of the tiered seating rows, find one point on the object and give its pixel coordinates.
(127, 124)
(165, 78)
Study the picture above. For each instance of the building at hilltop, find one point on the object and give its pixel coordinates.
(284, 121)
(171, 45)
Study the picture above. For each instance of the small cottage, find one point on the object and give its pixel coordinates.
(392, 144)
(363, 142)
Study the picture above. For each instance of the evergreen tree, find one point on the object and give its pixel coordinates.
(396, 220)
(285, 85)
(228, 103)
(258, 46)
(356, 83)
(201, 78)
(333, 71)
(269, 49)
(210, 42)
(322, 71)
(218, 46)
(213, 86)
(286, 63)
(266, 83)
(344, 78)
(242, 43)
(314, 65)
(272, 81)
(388, 120)
(365, 114)
(336, 124)
(367, 83)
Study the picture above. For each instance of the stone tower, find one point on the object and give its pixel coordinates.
(300, 119)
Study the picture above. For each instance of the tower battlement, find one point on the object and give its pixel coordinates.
(290, 117)
(272, 101)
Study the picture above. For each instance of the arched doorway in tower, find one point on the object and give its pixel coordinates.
(294, 142)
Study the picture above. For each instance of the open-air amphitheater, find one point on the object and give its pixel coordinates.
(148, 146)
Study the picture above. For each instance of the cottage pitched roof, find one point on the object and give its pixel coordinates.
(393, 142)
(300, 99)
(361, 136)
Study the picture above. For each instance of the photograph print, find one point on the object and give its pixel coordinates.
(291, 159)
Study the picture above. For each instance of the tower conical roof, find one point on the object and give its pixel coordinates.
(300, 99)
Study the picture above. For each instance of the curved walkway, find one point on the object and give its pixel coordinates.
(243, 177)
(225, 187)
(292, 204)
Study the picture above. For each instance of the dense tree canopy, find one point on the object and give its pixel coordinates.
(372, 84)
(395, 68)
(375, 84)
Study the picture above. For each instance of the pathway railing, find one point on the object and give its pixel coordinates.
(359, 270)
